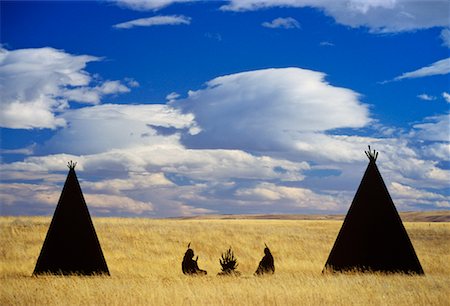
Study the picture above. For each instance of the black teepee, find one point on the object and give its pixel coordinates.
(372, 237)
(71, 245)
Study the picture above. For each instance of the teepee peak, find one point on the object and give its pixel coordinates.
(372, 155)
(71, 165)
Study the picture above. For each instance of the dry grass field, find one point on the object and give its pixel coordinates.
(144, 258)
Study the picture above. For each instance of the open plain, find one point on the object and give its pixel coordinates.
(144, 258)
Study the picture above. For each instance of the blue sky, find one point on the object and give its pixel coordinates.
(191, 107)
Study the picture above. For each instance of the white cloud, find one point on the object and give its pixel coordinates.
(148, 5)
(435, 128)
(154, 21)
(167, 179)
(285, 23)
(172, 96)
(22, 151)
(445, 36)
(437, 151)
(132, 182)
(93, 95)
(446, 96)
(175, 180)
(336, 148)
(42, 198)
(437, 68)
(38, 83)
(131, 82)
(426, 97)
(268, 193)
(404, 195)
(116, 126)
(378, 15)
(266, 110)
(255, 141)
(118, 204)
(170, 158)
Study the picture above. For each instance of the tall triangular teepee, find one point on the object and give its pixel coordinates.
(372, 237)
(71, 245)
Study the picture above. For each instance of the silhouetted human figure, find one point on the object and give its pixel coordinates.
(189, 265)
(266, 265)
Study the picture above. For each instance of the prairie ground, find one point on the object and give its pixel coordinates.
(144, 258)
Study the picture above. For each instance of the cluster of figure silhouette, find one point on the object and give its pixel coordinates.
(228, 263)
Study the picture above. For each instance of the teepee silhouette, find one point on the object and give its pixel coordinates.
(71, 245)
(372, 237)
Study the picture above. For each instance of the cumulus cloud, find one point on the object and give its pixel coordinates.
(174, 159)
(93, 95)
(265, 110)
(378, 15)
(284, 23)
(42, 198)
(91, 128)
(133, 181)
(154, 21)
(435, 128)
(437, 151)
(37, 84)
(441, 67)
(173, 179)
(404, 195)
(268, 193)
(259, 141)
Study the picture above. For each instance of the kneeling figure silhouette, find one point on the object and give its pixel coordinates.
(266, 265)
(189, 265)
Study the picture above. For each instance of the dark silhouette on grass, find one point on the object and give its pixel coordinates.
(266, 265)
(229, 264)
(71, 245)
(372, 237)
(189, 265)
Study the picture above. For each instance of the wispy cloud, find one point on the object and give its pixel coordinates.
(445, 36)
(284, 23)
(437, 68)
(148, 5)
(426, 97)
(446, 96)
(326, 44)
(154, 21)
(172, 96)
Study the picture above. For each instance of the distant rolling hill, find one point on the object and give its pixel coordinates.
(410, 216)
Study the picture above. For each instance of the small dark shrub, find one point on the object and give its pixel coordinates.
(229, 263)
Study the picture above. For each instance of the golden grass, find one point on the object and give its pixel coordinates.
(144, 258)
